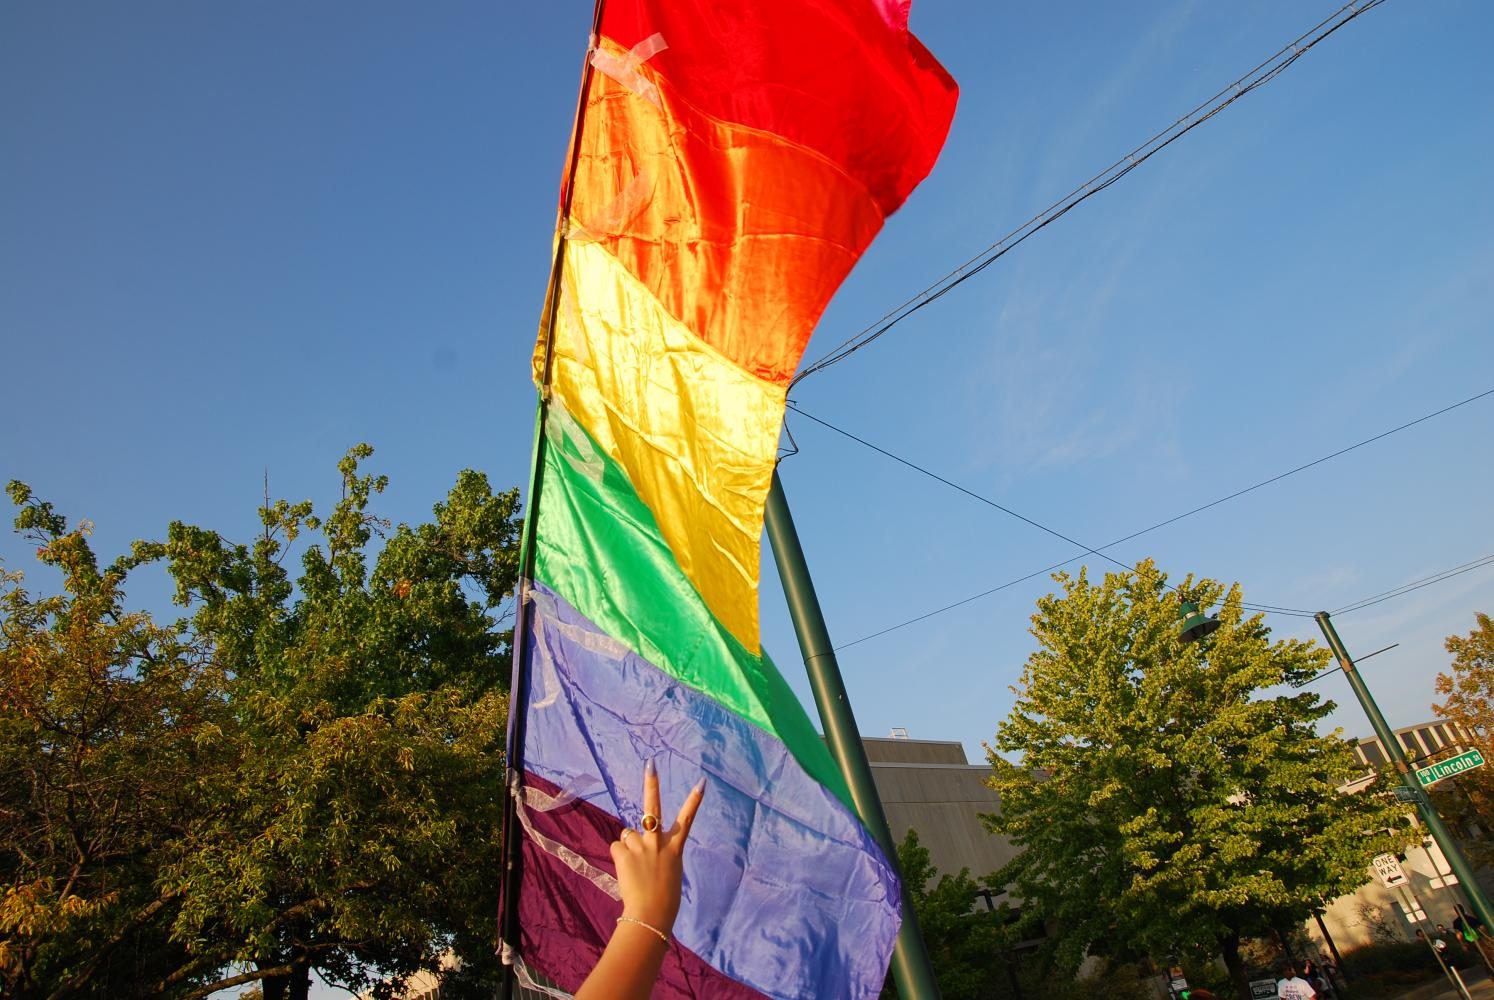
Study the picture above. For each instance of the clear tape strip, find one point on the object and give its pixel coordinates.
(528, 982)
(572, 860)
(624, 68)
(562, 427)
(613, 218)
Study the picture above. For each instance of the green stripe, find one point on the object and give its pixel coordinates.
(599, 547)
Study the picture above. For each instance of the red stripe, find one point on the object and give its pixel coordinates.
(565, 921)
(842, 77)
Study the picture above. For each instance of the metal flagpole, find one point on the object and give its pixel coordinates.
(508, 916)
(1440, 833)
(910, 961)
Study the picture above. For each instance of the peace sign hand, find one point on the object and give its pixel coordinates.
(650, 864)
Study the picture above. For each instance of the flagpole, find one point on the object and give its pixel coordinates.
(512, 838)
(911, 969)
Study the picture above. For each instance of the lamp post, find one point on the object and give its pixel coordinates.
(1438, 828)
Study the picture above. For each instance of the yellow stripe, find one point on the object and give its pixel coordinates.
(696, 434)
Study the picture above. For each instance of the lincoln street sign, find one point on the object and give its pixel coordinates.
(1465, 761)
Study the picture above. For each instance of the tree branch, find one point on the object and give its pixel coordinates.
(223, 984)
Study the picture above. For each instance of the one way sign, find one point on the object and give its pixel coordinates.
(1388, 871)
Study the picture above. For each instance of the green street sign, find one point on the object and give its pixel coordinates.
(1465, 761)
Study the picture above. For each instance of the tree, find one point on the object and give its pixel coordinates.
(1468, 692)
(1166, 804)
(966, 944)
(346, 814)
(109, 729)
(362, 834)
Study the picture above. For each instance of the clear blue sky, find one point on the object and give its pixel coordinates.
(244, 237)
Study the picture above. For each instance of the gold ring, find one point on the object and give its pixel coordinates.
(622, 838)
(650, 823)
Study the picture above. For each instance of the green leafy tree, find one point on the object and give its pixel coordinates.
(345, 816)
(1166, 801)
(111, 730)
(361, 838)
(1468, 700)
(965, 943)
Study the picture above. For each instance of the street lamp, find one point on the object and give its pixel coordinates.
(1195, 623)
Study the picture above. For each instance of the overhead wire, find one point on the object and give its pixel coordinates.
(1261, 74)
(1427, 581)
(1347, 607)
(1019, 516)
(1273, 609)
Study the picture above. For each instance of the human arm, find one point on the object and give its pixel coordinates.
(650, 869)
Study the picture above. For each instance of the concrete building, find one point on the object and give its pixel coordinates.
(930, 786)
(1418, 742)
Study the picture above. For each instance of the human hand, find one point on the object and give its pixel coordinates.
(650, 863)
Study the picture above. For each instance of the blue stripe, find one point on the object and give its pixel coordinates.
(784, 888)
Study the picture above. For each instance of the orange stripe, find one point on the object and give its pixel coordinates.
(742, 235)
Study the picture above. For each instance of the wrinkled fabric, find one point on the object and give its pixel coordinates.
(844, 78)
(598, 546)
(564, 921)
(742, 236)
(695, 434)
(831, 923)
(734, 159)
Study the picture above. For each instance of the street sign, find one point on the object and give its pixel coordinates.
(1263, 989)
(1404, 794)
(1388, 871)
(1465, 761)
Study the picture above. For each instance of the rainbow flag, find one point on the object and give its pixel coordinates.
(734, 159)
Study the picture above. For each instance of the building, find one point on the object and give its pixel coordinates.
(1419, 742)
(1375, 911)
(930, 786)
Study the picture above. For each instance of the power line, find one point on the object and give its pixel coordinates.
(1021, 517)
(1273, 609)
(1426, 581)
(1262, 74)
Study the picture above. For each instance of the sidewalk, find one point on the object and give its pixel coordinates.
(1477, 980)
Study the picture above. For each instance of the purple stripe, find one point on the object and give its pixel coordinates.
(564, 921)
(784, 888)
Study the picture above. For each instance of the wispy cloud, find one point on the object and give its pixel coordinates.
(1058, 171)
(1053, 391)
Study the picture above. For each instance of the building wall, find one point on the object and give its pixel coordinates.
(930, 786)
(1429, 899)
(1419, 742)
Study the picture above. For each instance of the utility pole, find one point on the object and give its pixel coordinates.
(1440, 833)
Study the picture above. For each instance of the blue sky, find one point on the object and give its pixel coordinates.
(245, 237)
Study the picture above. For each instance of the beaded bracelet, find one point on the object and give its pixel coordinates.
(634, 920)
